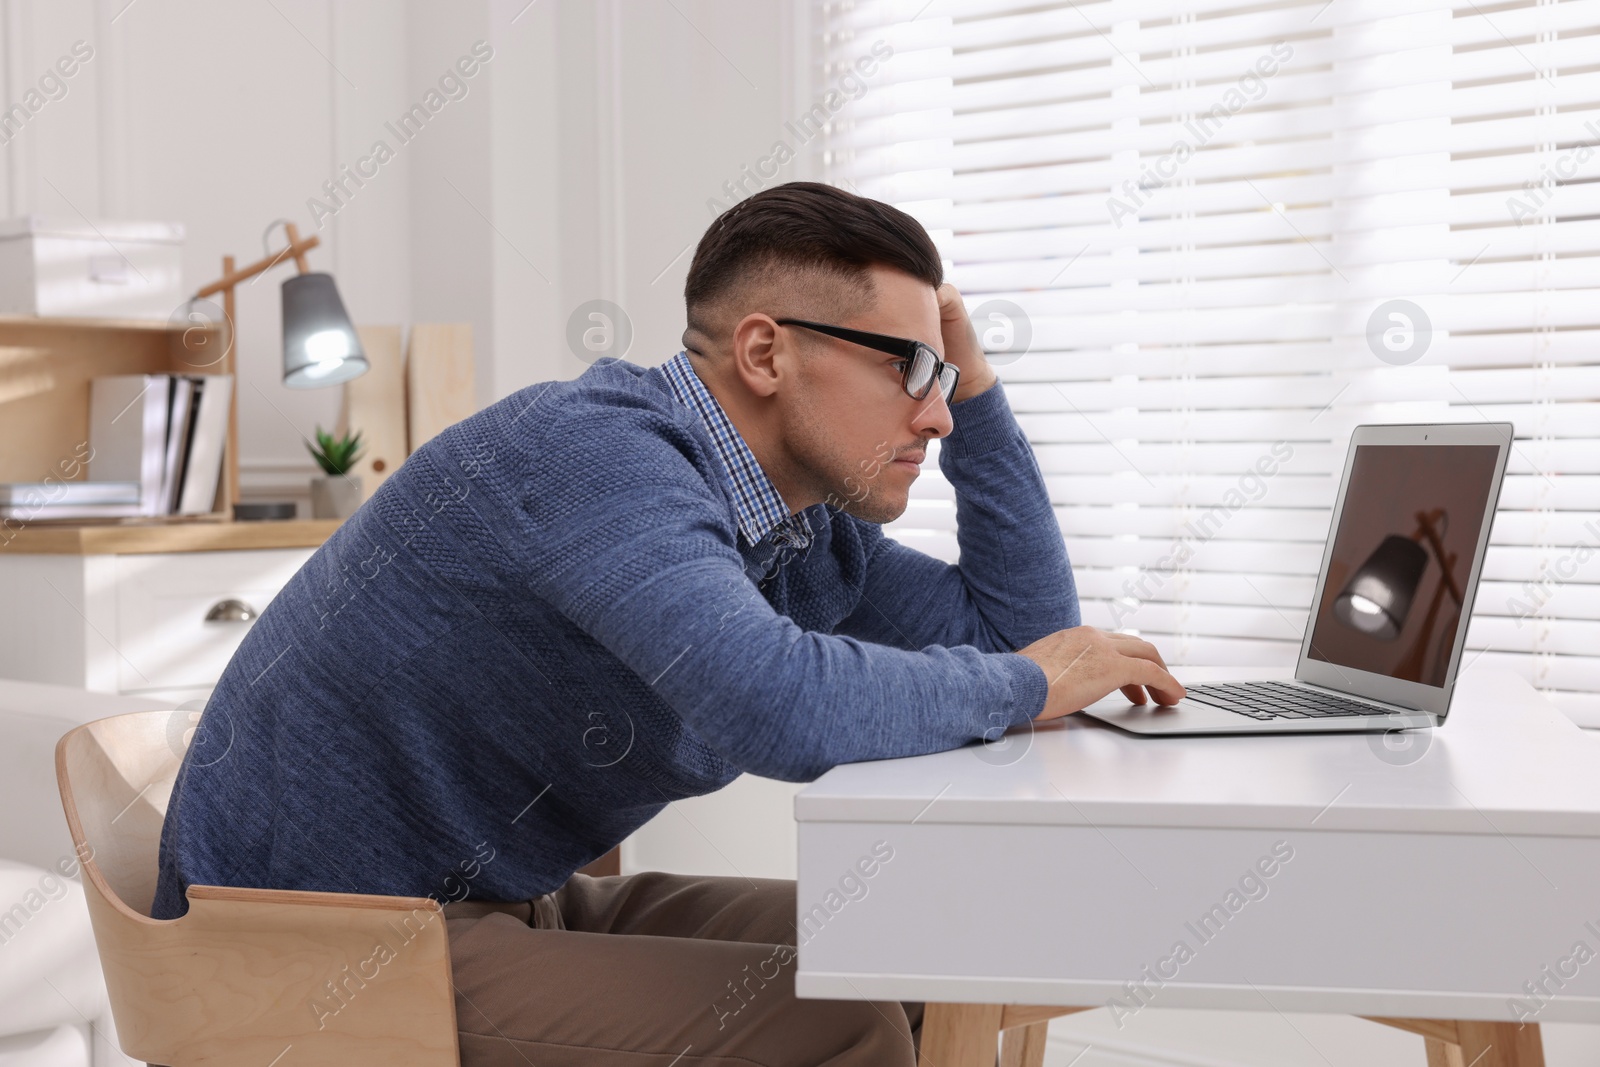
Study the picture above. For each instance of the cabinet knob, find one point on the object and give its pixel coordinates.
(230, 610)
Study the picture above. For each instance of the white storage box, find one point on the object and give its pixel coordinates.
(71, 269)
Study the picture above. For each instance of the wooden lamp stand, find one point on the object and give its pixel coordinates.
(296, 249)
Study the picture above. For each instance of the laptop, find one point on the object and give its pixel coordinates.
(1399, 572)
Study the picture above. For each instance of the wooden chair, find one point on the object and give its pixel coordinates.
(247, 974)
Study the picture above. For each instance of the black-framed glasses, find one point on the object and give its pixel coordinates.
(923, 365)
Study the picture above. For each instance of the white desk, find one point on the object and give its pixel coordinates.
(1065, 868)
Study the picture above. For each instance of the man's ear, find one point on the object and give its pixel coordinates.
(759, 353)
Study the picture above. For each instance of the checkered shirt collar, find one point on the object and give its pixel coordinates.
(761, 510)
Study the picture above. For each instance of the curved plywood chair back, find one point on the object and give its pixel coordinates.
(343, 979)
(119, 774)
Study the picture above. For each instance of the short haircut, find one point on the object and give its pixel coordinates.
(806, 247)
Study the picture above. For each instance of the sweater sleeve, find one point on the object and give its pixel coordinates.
(627, 533)
(1013, 584)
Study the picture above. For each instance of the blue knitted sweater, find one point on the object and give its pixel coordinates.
(544, 627)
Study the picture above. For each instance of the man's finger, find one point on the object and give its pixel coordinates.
(1134, 693)
(1162, 685)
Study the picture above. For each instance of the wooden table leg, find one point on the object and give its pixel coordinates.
(1023, 1046)
(1500, 1044)
(1443, 1054)
(960, 1035)
(964, 1035)
(1474, 1043)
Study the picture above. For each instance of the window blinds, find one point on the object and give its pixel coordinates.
(1229, 232)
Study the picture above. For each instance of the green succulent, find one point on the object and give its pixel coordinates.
(336, 455)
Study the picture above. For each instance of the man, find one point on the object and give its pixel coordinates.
(598, 596)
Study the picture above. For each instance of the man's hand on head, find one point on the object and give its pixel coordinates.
(961, 345)
(1083, 664)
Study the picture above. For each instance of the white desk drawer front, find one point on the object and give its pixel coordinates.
(164, 640)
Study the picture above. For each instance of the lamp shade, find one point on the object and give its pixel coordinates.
(1378, 596)
(320, 347)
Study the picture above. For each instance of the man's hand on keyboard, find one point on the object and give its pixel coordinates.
(1085, 663)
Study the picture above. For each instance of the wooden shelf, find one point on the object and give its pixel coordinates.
(46, 365)
(57, 323)
(139, 537)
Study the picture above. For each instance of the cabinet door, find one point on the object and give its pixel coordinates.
(164, 640)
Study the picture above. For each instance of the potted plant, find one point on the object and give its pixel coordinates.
(336, 494)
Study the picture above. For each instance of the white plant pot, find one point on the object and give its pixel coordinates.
(335, 496)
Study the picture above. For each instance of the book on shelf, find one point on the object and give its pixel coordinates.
(47, 494)
(180, 421)
(29, 513)
(166, 433)
(34, 501)
(207, 439)
(128, 432)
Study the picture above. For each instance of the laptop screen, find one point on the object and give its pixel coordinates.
(1397, 575)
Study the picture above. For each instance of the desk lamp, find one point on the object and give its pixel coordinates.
(320, 346)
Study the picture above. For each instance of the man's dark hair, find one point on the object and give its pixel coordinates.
(780, 238)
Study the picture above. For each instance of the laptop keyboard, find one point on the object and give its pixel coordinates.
(1279, 700)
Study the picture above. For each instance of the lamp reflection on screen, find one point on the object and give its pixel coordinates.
(1378, 596)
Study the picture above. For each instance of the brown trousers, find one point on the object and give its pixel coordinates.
(655, 970)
